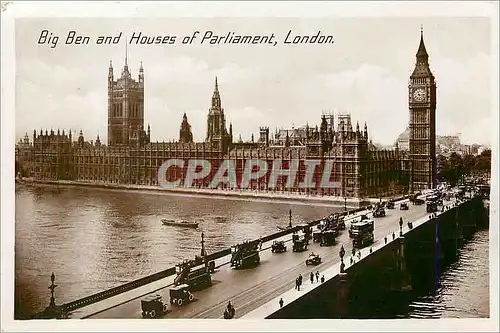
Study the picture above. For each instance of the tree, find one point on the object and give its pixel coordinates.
(483, 162)
(469, 163)
(452, 168)
(442, 167)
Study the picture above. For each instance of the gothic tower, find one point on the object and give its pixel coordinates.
(185, 134)
(216, 123)
(125, 108)
(422, 105)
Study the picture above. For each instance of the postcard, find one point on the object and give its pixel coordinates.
(253, 166)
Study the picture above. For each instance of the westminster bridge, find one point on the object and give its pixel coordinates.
(423, 242)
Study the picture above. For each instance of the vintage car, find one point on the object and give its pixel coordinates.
(390, 205)
(317, 234)
(152, 306)
(300, 243)
(180, 294)
(418, 201)
(314, 259)
(379, 212)
(403, 206)
(278, 247)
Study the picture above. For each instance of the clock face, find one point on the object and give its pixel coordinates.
(419, 95)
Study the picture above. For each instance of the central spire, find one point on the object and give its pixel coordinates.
(126, 54)
(216, 103)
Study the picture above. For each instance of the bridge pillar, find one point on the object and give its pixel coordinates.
(405, 277)
(342, 299)
(401, 280)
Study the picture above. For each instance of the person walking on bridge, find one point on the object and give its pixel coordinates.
(312, 277)
(317, 276)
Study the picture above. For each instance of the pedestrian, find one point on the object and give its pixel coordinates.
(353, 251)
(359, 254)
(322, 278)
(312, 277)
(297, 283)
(281, 302)
(317, 276)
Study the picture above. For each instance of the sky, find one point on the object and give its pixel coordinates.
(364, 72)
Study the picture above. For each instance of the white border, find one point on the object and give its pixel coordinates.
(13, 10)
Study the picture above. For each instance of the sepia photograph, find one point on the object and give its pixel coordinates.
(245, 167)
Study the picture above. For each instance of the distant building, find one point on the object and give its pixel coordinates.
(131, 158)
(403, 140)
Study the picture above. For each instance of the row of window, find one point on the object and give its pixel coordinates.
(134, 110)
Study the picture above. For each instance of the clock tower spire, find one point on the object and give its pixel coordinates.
(422, 106)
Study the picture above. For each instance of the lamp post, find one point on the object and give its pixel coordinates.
(203, 252)
(400, 226)
(52, 287)
(290, 223)
(345, 203)
(342, 253)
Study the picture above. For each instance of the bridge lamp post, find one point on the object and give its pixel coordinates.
(203, 252)
(401, 226)
(52, 287)
(345, 203)
(342, 253)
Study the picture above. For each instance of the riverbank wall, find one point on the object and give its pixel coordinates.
(219, 193)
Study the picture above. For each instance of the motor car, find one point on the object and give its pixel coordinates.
(278, 247)
(153, 306)
(314, 259)
(180, 294)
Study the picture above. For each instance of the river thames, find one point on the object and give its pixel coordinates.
(96, 239)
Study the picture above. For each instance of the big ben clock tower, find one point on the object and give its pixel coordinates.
(422, 105)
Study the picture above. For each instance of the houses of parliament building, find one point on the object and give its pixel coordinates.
(129, 157)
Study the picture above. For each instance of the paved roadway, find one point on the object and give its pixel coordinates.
(248, 289)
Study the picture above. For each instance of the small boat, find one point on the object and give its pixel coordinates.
(184, 224)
